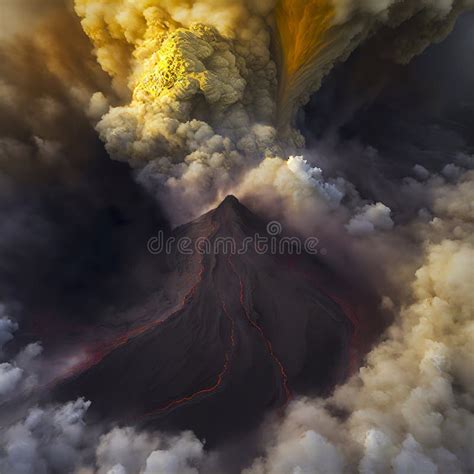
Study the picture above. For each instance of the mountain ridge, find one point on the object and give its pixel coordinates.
(244, 329)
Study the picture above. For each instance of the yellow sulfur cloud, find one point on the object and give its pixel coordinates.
(203, 100)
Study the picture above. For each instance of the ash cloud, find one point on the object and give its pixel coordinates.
(205, 105)
(202, 86)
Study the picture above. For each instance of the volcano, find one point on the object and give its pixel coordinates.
(231, 335)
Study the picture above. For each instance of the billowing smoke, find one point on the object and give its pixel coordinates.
(202, 83)
(206, 95)
(56, 439)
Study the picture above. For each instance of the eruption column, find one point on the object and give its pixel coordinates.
(302, 29)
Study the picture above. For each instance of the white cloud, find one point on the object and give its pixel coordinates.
(10, 376)
(370, 218)
(46, 440)
(182, 456)
(124, 447)
(7, 327)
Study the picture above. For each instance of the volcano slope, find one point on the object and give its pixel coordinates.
(245, 332)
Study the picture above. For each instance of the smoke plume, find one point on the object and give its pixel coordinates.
(206, 94)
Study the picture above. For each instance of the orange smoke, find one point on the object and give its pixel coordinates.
(302, 29)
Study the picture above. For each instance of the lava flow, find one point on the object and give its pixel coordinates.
(220, 377)
(226, 344)
(268, 344)
(96, 355)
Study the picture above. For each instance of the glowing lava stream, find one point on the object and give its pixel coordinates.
(213, 388)
(220, 376)
(268, 344)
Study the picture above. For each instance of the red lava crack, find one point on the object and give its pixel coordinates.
(267, 342)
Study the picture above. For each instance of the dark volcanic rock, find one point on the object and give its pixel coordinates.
(240, 334)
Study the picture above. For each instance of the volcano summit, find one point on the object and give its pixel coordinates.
(244, 330)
